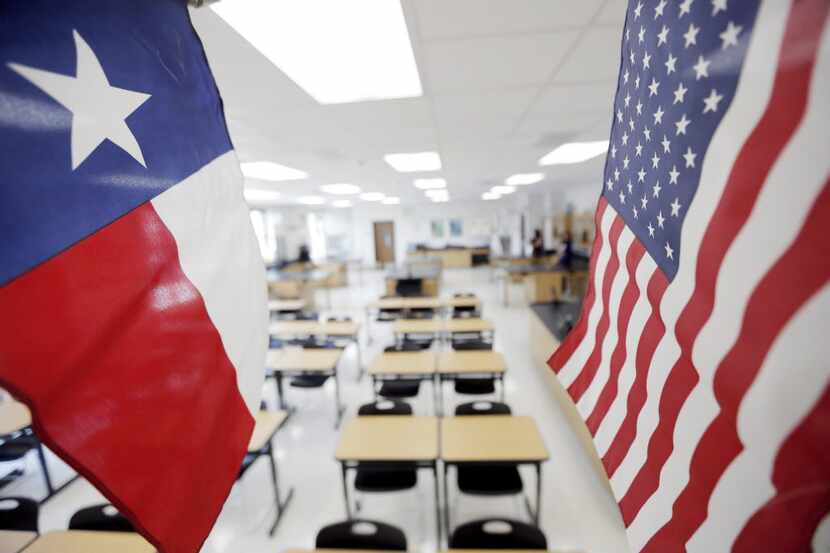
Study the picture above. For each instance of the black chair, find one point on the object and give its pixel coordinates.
(498, 533)
(373, 479)
(472, 345)
(307, 316)
(361, 534)
(103, 517)
(401, 387)
(311, 380)
(474, 386)
(487, 479)
(409, 287)
(420, 313)
(339, 319)
(407, 345)
(483, 408)
(18, 513)
(386, 315)
(386, 407)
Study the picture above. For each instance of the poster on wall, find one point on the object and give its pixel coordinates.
(437, 227)
(456, 227)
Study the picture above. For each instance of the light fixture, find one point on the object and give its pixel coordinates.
(342, 203)
(502, 190)
(268, 170)
(340, 189)
(311, 200)
(391, 200)
(336, 51)
(575, 152)
(440, 200)
(436, 192)
(372, 196)
(522, 179)
(490, 196)
(259, 195)
(430, 184)
(414, 162)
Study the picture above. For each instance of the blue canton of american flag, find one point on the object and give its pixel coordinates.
(699, 363)
(670, 99)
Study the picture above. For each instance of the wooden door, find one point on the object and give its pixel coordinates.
(384, 242)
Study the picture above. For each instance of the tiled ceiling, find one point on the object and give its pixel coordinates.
(505, 81)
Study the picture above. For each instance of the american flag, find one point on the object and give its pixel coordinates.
(700, 360)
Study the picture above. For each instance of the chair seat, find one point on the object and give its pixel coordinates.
(475, 386)
(309, 380)
(400, 388)
(17, 448)
(489, 480)
(377, 480)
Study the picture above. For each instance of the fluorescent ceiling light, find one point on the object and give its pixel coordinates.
(259, 195)
(490, 196)
(372, 196)
(342, 203)
(522, 179)
(440, 200)
(414, 162)
(340, 189)
(311, 200)
(336, 51)
(430, 184)
(437, 193)
(575, 152)
(268, 170)
(392, 200)
(501, 190)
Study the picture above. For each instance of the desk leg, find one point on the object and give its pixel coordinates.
(50, 490)
(437, 505)
(281, 505)
(374, 388)
(501, 386)
(359, 358)
(338, 407)
(368, 326)
(344, 472)
(280, 392)
(447, 503)
(538, 491)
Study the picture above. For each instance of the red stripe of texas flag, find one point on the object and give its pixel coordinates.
(112, 348)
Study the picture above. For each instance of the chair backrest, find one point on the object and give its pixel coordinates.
(483, 408)
(498, 533)
(307, 316)
(472, 345)
(311, 343)
(409, 287)
(361, 534)
(103, 517)
(339, 319)
(18, 513)
(406, 346)
(387, 407)
(464, 295)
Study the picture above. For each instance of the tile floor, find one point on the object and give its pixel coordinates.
(578, 512)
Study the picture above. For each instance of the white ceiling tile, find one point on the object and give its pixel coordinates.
(481, 64)
(596, 58)
(460, 18)
(487, 115)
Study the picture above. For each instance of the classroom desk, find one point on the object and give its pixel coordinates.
(15, 417)
(492, 439)
(297, 361)
(441, 328)
(452, 364)
(77, 541)
(349, 330)
(287, 306)
(12, 541)
(404, 364)
(266, 425)
(387, 441)
(442, 306)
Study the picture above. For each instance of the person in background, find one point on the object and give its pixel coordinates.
(303, 256)
(537, 244)
(566, 261)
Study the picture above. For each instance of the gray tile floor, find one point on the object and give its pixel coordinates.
(578, 512)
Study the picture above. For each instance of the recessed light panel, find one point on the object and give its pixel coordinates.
(575, 152)
(414, 162)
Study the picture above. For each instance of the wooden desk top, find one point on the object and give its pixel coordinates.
(389, 438)
(463, 302)
(403, 362)
(12, 541)
(469, 325)
(266, 423)
(286, 305)
(491, 438)
(460, 362)
(406, 303)
(14, 416)
(303, 359)
(418, 326)
(342, 328)
(76, 541)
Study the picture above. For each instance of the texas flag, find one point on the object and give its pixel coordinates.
(133, 317)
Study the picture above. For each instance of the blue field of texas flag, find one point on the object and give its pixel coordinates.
(132, 290)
